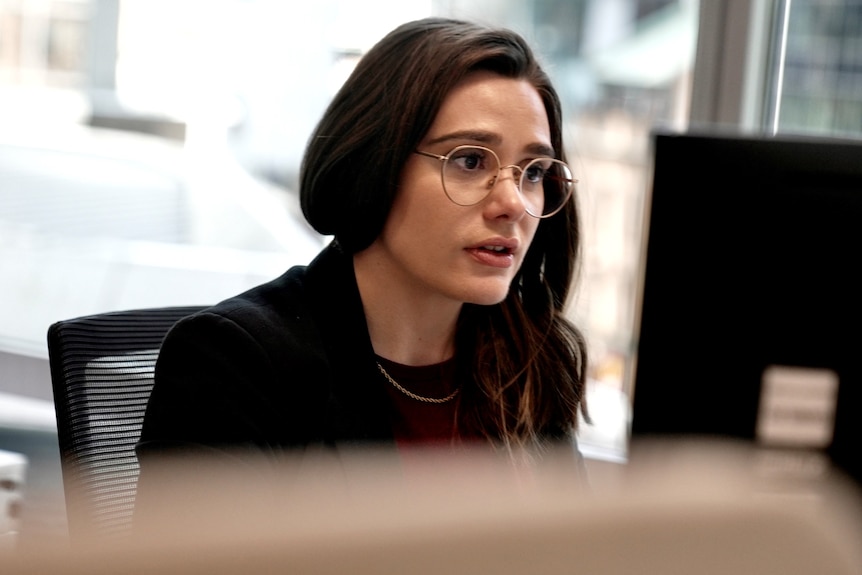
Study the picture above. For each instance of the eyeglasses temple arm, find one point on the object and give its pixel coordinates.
(430, 155)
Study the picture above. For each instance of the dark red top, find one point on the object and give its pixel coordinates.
(415, 421)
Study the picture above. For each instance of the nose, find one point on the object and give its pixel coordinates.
(507, 200)
(516, 175)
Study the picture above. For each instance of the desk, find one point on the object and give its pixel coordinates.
(683, 517)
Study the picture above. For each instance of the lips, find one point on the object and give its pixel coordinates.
(497, 249)
(497, 252)
(497, 245)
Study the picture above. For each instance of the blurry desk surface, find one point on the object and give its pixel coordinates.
(698, 513)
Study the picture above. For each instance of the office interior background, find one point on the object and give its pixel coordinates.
(149, 149)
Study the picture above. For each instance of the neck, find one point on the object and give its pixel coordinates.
(405, 325)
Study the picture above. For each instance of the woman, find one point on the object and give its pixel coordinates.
(435, 316)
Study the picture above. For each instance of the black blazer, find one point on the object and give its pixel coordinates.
(284, 365)
(286, 368)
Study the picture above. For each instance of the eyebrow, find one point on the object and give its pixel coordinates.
(489, 138)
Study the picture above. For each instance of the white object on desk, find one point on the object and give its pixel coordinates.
(13, 470)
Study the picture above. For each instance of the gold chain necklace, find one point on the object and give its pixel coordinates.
(412, 395)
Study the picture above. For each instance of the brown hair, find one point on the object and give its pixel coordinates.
(527, 361)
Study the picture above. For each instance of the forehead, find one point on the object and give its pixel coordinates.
(498, 107)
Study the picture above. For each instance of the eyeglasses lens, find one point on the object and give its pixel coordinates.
(469, 175)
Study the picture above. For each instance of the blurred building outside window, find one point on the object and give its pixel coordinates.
(818, 69)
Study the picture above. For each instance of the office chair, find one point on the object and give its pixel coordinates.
(102, 374)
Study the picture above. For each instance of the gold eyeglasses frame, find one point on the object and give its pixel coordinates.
(569, 184)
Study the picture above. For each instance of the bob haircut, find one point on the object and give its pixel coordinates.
(350, 175)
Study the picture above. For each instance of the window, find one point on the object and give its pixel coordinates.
(820, 68)
(780, 66)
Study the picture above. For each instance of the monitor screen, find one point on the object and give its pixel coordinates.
(751, 303)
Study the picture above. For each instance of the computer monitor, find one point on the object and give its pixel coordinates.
(751, 303)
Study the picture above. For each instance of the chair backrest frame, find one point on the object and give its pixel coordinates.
(102, 373)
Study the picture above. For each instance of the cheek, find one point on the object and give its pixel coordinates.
(420, 201)
(415, 188)
(530, 226)
(528, 233)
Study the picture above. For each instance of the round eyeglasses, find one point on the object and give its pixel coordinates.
(469, 173)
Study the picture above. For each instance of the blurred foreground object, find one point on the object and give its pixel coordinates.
(693, 509)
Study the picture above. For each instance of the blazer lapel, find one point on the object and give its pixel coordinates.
(356, 413)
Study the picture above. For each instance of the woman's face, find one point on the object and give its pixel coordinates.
(436, 248)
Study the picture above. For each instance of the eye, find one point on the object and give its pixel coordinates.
(535, 173)
(470, 159)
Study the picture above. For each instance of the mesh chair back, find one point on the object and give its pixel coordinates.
(102, 374)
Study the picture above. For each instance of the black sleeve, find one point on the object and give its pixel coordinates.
(233, 389)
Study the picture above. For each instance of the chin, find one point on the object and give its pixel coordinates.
(487, 296)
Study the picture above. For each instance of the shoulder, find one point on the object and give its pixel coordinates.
(251, 319)
(279, 320)
(274, 302)
(287, 302)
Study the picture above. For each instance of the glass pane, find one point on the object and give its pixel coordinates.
(821, 92)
